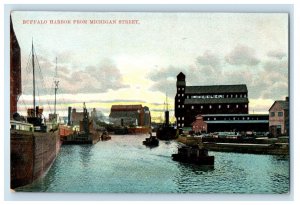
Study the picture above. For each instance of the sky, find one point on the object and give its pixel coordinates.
(134, 58)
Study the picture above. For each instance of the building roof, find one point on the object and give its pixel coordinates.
(216, 89)
(126, 107)
(283, 104)
(215, 101)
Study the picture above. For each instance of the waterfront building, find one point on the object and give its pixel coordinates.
(130, 115)
(231, 123)
(279, 117)
(191, 101)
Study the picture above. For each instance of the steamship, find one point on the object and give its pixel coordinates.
(34, 143)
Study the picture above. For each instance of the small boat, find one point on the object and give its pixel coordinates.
(105, 136)
(196, 154)
(151, 141)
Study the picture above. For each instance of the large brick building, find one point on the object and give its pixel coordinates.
(127, 115)
(191, 101)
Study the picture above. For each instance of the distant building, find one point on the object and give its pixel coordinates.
(199, 126)
(191, 101)
(76, 117)
(128, 115)
(279, 117)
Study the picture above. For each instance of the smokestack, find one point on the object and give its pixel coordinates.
(167, 118)
(69, 116)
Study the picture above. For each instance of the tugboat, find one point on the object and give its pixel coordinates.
(195, 154)
(151, 141)
(166, 131)
(105, 136)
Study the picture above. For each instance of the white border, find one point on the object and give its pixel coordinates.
(115, 5)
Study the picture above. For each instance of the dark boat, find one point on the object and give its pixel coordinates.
(86, 135)
(194, 154)
(105, 136)
(151, 141)
(166, 131)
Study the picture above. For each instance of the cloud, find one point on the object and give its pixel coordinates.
(266, 79)
(165, 79)
(277, 54)
(208, 59)
(242, 55)
(272, 81)
(91, 79)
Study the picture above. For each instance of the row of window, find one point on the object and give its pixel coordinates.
(233, 118)
(279, 114)
(218, 96)
(180, 118)
(210, 106)
(212, 96)
(180, 89)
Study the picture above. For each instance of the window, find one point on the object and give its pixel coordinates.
(182, 124)
(246, 106)
(280, 114)
(208, 118)
(272, 114)
(178, 100)
(245, 96)
(214, 118)
(201, 106)
(210, 106)
(220, 106)
(236, 95)
(178, 89)
(182, 118)
(182, 106)
(237, 106)
(182, 95)
(192, 107)
(228, 106)
(182, 88)
(178, 106)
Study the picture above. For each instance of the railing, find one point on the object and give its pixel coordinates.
(17, 125)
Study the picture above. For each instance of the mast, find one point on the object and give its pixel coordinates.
(56, 86)
(32, 51)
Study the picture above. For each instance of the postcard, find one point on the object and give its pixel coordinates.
(149, 102)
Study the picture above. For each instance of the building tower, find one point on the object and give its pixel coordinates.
(179, 100)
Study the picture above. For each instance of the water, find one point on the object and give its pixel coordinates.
(124, 165)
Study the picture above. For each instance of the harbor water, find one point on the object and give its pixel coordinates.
(125, 165)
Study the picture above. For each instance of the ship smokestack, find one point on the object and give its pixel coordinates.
(69, 116)
(167, 118)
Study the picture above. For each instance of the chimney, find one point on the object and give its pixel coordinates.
(69, 116)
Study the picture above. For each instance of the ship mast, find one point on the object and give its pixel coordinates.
(32, 51)
(56, 86)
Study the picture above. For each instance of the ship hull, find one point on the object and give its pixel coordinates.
(201, 160)
(32, 154)
(166, 133)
